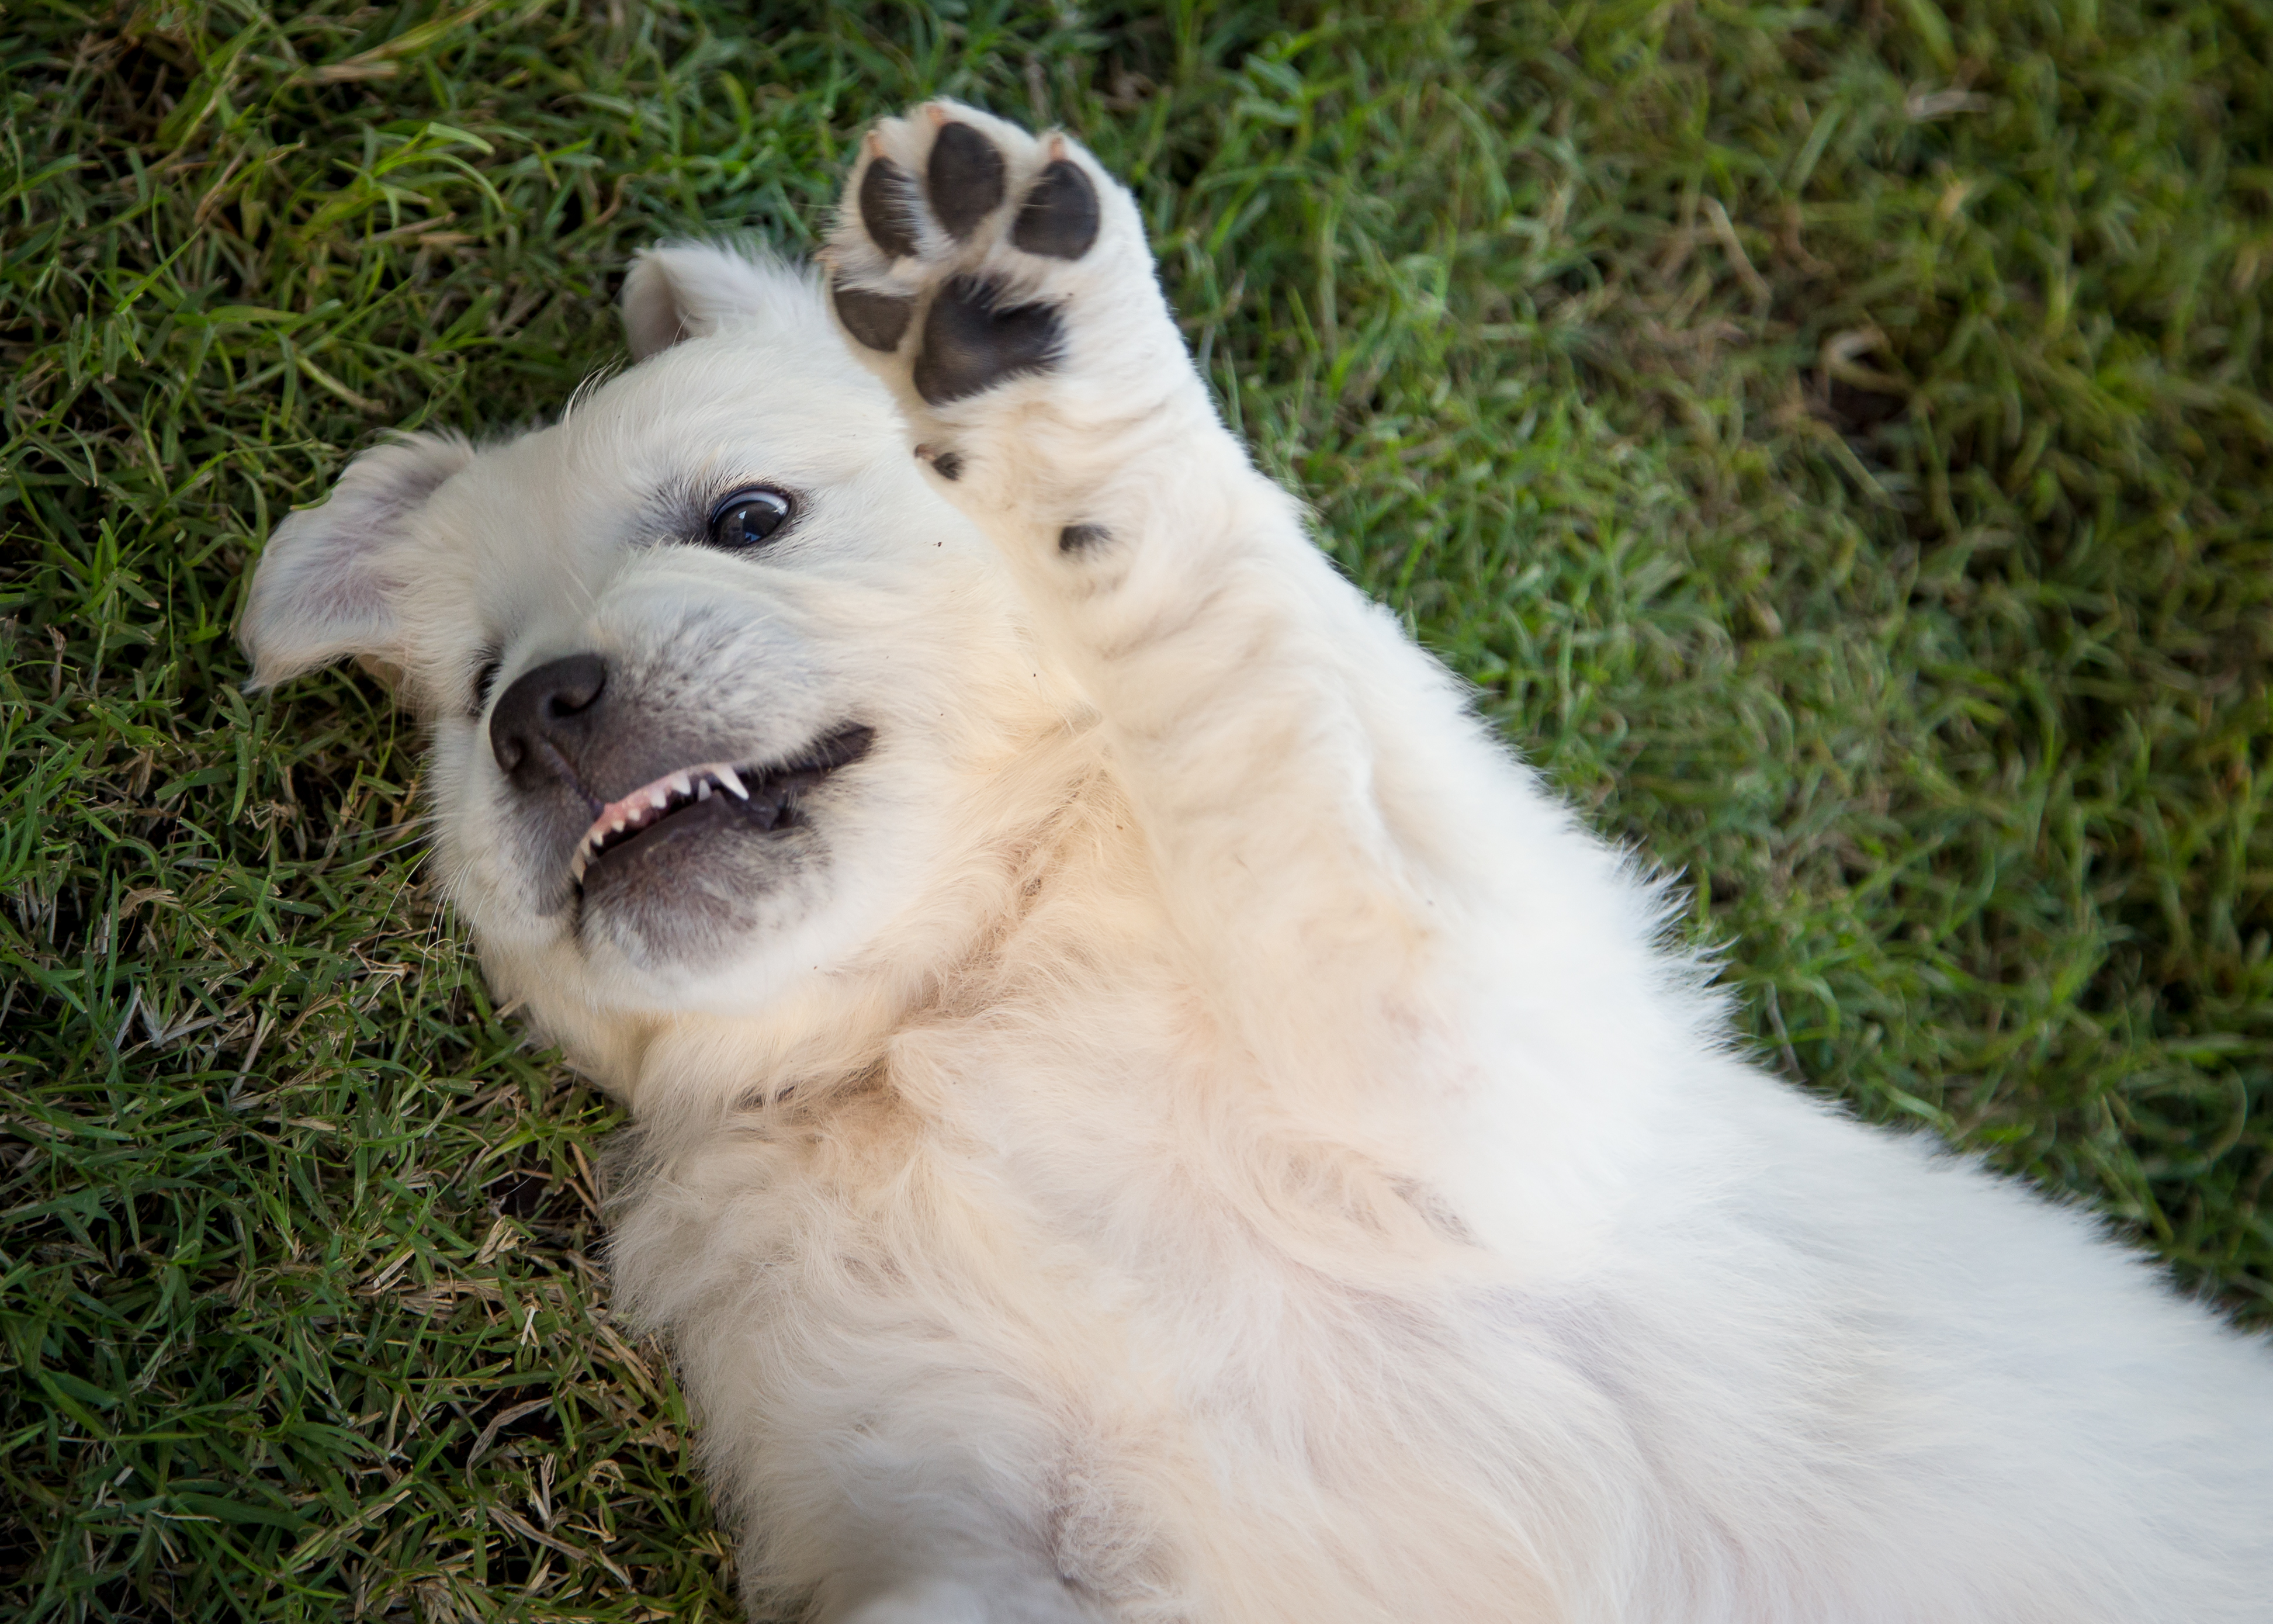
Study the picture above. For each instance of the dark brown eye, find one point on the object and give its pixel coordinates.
(485, 680)
(748, 517)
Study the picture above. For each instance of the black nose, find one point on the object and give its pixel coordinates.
(541, 722)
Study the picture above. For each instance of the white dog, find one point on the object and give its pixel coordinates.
(1145, 1112)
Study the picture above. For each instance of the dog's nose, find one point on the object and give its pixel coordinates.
(541, 722)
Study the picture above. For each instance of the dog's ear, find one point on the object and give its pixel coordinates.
(686, 290)
(329, 578)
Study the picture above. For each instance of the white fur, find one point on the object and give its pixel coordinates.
(1216, 1141)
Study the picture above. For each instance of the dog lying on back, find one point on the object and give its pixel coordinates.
(1143, 1110)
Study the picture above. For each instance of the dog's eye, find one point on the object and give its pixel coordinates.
(748, 517)
(485, 680)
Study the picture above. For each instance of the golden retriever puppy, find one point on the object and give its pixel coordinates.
(1143, 1110)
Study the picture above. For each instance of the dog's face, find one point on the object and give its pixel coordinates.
(712, 676)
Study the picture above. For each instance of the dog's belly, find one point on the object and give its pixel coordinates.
(1191, 1428)
(1201, 1382)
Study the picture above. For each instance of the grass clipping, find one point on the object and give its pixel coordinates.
(1834, 443)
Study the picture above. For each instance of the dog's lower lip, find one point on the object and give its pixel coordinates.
(763, 793)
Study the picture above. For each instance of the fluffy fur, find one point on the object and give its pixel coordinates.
(1187, 1128)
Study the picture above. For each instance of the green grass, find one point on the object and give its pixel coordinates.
(1834, 441)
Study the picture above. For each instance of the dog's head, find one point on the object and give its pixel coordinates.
(714, 678)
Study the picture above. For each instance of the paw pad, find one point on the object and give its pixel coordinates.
(964, 179)
(952, 241)
(887, 198)
(970, 344)
(1059, 217)
(877, 319)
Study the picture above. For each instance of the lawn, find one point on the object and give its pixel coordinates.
(1835, 443)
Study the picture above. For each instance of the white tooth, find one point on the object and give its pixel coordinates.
(659, 797)
(732, 780)
(616, 826)
(682, 783)
(576, 868)
(703, 790)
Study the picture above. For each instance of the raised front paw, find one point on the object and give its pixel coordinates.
(970, 255)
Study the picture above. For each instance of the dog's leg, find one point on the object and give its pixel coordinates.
(1286, 745)
(1370, 903)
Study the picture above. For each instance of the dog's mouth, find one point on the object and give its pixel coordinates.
(763, 796)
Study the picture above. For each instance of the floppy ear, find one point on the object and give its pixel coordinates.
(326, 584)
(686, 290)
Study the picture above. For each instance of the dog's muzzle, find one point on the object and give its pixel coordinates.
(585, 756)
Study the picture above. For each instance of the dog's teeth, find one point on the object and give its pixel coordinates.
(616, 826)
(659, 797)
(703, 790)
(682, 783)
(732, 780)
(576, 868)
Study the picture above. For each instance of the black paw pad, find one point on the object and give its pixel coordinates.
(877, 319)
(1059, 217)
(1082, 537)
(964, 179)
(887, 200)
(970, 344)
